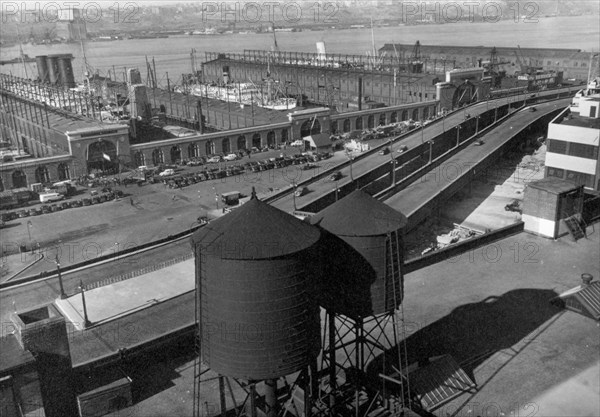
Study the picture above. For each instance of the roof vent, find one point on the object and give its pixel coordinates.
(587, 279)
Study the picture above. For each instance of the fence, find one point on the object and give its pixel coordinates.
(139, 272)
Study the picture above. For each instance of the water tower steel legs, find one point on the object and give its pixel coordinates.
(354, 343)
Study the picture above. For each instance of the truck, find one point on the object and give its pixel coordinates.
(50, 197)
(10, 199)
(231, 198)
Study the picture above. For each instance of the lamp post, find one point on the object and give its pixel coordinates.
(393, 162)
(63, 295)
(86, 321)
(29, 226)
(430, 150)
(443, 122)
(351, 158)
(216, 197)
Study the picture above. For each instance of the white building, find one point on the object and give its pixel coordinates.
(572, 144)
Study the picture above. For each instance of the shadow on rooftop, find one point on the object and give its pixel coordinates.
(472, 333)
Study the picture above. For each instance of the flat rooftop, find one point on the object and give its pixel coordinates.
(576, 120)
(58, 120)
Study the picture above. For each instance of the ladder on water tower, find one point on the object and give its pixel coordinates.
(574, 227)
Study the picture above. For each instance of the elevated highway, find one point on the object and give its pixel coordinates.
(174, 317)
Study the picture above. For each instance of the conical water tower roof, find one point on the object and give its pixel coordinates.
(359, 214)
(256, 230)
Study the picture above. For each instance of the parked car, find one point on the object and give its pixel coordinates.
(35, 212)
(45, 209)
(86, 202)
(214, 159)
(335, 176)
(167, 172)
(230, 157)
(194, 163)
(298, 142)
(23, 213)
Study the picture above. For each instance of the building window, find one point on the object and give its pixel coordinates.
(583, 151)
(555, 172)
(557, 146)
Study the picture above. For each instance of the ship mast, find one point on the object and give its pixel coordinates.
(373, 42)
(21, 54)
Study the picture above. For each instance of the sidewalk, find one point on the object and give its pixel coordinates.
(113, 301)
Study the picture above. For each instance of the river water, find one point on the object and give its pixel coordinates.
(172, 54)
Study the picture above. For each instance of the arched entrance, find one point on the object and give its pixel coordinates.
(404, 115)
(139, 158)
(371, 121)
(41, 174)
(271, 139)
(415, 114)
(346, 127)
(381, 119)
(359, 123)
(19, 179)
(284, 135)
(226, 146)
(102, 157)
(426, 113)
(241, 142)
(333, 127)
(193, 150)
(310, 127)
(464, 94)
(175, 154)
(209, 147)
(393, 117)
(256, 140)
(63, 172)
(157, 157)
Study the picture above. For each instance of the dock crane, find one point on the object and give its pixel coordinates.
(493, 67)
(416, 63)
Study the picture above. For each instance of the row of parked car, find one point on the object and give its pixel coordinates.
(174, 180)
(52, 208)
(233, 156)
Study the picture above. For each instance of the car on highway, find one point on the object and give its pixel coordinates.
(230, 157)
(300, 191)
(335, 176)
(167, 172)
(532, 109)
(384, 151)
(214, 159)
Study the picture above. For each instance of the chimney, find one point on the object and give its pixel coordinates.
(587, 279)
